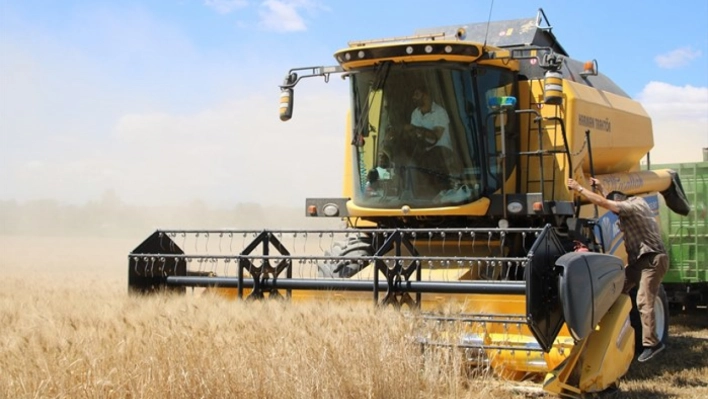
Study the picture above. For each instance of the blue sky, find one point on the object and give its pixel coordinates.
(171, 101)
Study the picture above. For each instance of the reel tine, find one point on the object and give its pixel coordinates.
(173, 244)
(489, 242)
(517, 265)
(502, 243)
(442, 235)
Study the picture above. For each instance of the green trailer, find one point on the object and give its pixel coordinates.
(686, 237)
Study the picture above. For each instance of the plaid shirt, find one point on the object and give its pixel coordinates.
(641, 231)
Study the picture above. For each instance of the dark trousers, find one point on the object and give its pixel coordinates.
(435, 176)
(647, 272)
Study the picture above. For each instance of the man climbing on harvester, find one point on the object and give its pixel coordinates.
(646, 255)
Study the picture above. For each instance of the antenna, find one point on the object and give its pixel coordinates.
(491, 6)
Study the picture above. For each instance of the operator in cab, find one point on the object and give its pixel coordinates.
(430, 127)
(429, 121)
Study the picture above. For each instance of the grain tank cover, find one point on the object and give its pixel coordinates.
(513, 33)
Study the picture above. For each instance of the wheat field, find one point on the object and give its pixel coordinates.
(69, 330)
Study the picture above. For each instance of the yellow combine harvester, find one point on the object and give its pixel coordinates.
(459, 143)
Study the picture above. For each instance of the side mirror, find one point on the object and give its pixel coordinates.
(287, 94)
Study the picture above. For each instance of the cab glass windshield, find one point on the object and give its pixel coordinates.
(425, 136)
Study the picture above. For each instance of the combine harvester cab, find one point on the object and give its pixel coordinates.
(459, 147)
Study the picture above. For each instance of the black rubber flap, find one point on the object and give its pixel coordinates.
(544, 312)
(675, 197)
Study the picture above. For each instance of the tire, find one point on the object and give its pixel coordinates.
(661, 310)
(353, 248)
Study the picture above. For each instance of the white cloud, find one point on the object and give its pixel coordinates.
(273, 15)
(677, 58)
(225, 6)
(283, 15)
(238, 151)
(680, 121)
(234, 152)
(159, 122)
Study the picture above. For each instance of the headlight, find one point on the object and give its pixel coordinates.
(330, 209)
(514, 207)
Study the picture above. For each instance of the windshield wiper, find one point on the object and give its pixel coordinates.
(378, 84)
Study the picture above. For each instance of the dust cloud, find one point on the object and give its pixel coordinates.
(47, 242)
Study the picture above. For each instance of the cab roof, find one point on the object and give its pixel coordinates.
(515, 33)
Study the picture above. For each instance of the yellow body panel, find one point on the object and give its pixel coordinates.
(620, 135)
(610, 349)
(347, 185)
(640, 182)
(601, 358)
(507, 362)
(620, 129)
(412, 58)
(501, 59)
(477, 208)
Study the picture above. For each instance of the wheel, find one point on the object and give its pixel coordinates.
(661, 312)
(352, 248)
